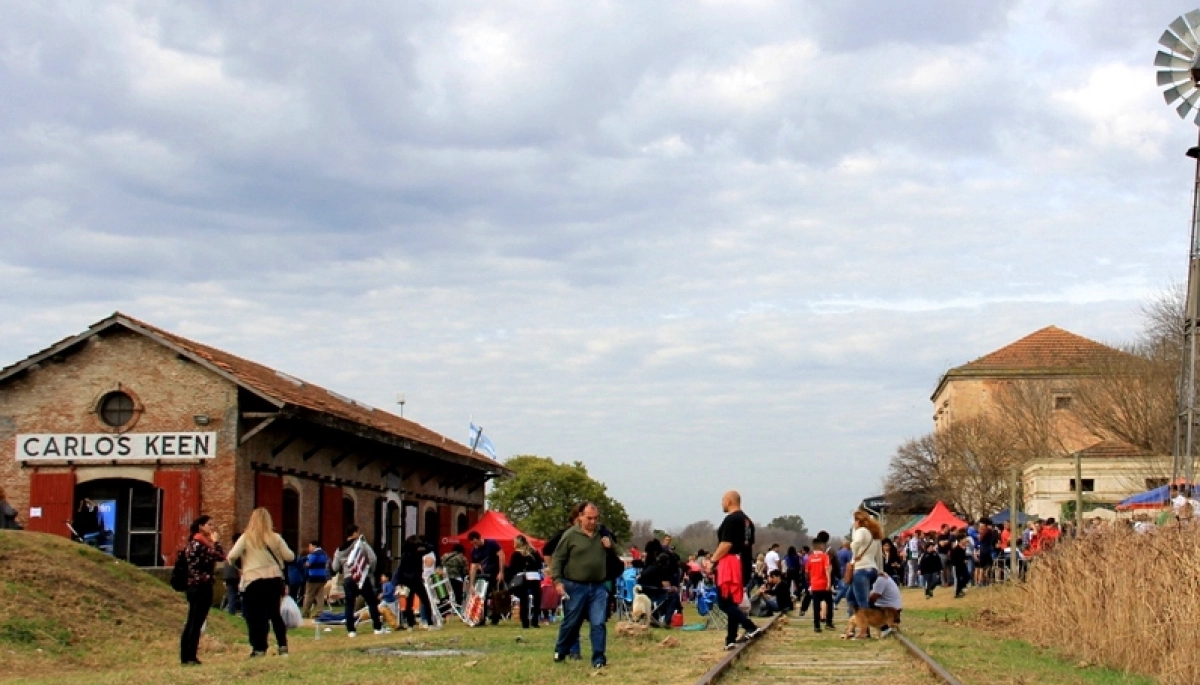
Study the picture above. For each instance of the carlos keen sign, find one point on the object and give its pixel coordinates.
(107, 447)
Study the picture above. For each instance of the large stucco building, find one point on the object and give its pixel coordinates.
(160, 428)
(1051, 361)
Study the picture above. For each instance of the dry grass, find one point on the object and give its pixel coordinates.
(1121, 599)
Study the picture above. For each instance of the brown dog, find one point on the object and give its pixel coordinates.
(865, 619)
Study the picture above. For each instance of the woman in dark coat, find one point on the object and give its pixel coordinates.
(202, 553)
(524, 577)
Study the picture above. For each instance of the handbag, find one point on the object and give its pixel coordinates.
(517, 582)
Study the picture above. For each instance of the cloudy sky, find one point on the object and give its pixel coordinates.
(695, 245)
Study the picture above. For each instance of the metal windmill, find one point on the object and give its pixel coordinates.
(1179, 72)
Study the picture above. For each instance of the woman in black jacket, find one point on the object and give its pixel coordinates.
(202, 553)
(524, 577)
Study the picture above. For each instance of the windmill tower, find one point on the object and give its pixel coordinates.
(1179, 72)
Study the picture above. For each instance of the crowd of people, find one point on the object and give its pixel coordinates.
(579, 577)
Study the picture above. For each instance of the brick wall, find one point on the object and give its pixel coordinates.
(62, 396)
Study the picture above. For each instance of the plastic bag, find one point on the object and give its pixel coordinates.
(290, 613)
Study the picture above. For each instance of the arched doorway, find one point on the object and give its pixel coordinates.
(291, 518)
(432, 525)
(120, 516)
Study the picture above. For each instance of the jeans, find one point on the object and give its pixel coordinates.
(588, 600)
(233, 598)
(819, 596)
(842, 590)
(932, 580)
(369, 597)
(863, 580)
(199, 599)
(914, 573)
(260, 608)
(736, 619)
(529, 594)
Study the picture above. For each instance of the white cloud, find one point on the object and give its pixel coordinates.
(741, 240)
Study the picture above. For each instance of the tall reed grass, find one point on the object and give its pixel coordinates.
(1125, 600)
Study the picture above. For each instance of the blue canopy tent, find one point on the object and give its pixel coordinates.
(1002, 517)
(1150, 499)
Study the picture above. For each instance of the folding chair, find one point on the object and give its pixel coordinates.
(441, 598)
(623, 597)
(706, 606)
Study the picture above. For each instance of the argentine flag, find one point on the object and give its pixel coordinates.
(480, 442)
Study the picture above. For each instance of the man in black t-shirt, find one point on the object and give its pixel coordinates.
(735, 540)
(486, 561)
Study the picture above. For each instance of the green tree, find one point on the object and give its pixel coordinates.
(793, 523)
(539, 495)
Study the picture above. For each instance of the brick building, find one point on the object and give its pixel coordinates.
(156, 429)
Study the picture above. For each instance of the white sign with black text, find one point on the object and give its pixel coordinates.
(107, 447)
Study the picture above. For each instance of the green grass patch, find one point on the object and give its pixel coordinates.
(960, 638)
(16, 631)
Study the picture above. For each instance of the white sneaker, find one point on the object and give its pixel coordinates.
(382, 631)
(351, 634)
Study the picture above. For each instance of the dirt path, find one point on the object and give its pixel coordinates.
(794, 653)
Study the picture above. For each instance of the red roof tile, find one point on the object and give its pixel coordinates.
(1113, 449)
(1051, 348)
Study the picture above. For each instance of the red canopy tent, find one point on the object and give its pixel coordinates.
(492, 526)
(941, 515)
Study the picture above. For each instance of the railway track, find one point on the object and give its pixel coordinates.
(791, 652)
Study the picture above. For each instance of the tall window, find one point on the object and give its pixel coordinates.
(291, 518)
(347, 511)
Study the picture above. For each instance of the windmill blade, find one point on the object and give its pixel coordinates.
(1180, 28)
(1189, 103)
(1169, 41)
(1166, 59)
(1166, 78)
(1176, 92)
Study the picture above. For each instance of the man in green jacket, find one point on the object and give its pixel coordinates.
(578, 569)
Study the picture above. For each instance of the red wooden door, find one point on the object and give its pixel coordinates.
(268, 494)
(54, 494)
(331, 518)
(445, 524)
(180, 506)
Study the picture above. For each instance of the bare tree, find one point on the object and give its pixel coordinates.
(641, 532)
(914, 481)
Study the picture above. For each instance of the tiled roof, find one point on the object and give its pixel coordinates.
(278, 386)
(1112, 449)
(1050, 348)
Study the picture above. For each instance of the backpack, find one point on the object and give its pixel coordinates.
(179, 574)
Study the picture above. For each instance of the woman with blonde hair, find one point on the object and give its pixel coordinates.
(263, 554)
(524, 577)
(867, 550)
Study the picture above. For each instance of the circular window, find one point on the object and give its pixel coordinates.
(116, 409)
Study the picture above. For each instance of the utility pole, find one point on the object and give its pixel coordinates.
(1014, 531)
(1078, 493)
